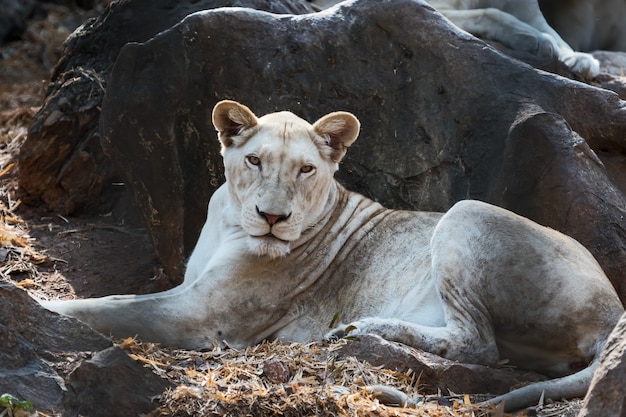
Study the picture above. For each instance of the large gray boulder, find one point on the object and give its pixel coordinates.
(436, 374)
(62, 366)
(606, 394)
(61, 163)
(444, 117)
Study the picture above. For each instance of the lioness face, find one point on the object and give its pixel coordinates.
(279, 170)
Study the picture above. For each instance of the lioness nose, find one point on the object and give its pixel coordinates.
(272, 219)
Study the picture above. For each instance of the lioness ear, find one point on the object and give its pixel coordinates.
(340, 129)
(230, 119)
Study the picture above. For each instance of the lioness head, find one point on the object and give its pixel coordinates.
(279, 170)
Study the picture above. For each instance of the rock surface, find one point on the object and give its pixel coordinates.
(613, 78)
(61, 162)
(436, 374)
(444, 117)
(56, 362)
(606, 394)
(110, 383)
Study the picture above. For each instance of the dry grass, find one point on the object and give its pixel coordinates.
(287, 379)
(295, 379)
(26, 66)
(16, 251)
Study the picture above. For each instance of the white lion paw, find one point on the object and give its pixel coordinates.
(343, 330)
(370, 325)
(582, 64)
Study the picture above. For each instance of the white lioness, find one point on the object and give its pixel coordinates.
(285, 248)
(517, 24)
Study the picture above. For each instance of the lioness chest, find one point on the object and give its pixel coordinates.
(370, 263)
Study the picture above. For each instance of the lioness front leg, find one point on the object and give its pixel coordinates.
(153, 317)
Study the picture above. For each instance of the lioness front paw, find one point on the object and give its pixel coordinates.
(370, 325)
(342, 331)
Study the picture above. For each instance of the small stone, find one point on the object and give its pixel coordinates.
(276, 371)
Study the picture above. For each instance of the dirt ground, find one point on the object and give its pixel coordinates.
(57, 256)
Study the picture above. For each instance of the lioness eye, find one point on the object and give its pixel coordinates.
(306, 169)
(254, 160)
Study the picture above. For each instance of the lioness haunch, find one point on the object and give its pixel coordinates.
(285, 248)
